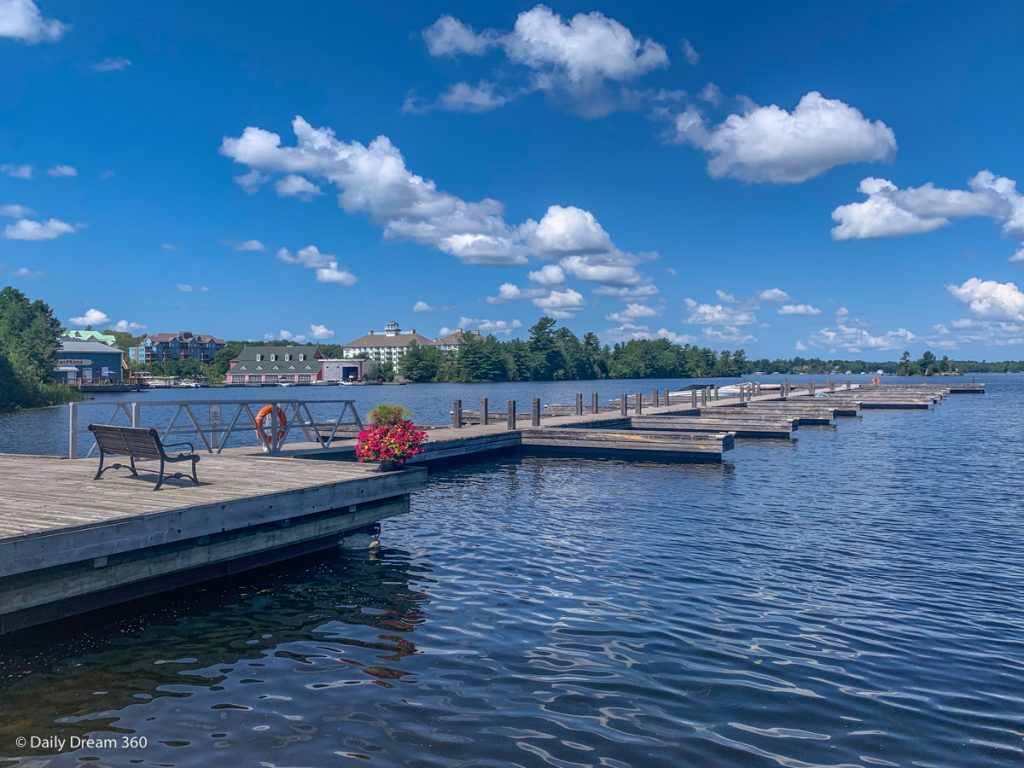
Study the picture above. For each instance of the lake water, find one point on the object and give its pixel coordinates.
(852, 599)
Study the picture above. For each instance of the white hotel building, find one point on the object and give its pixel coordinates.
(391, 345)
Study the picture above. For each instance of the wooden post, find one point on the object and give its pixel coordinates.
(810, 388)
(72, 430)
(693, 398)
(849, 384)
(704, 396)
(624, 403)
(485, 416)
(639, 403)
(656, 398)
(716, 391)
(579, 403)
(535, 412)
(457, 414)
(511, 414)
(667, 391)
(594, 407)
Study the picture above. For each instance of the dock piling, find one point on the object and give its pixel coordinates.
(624, 403)
(693, 398)
(657, 401)
(72, 430)
(639, 403)
(535, 412)
(579, 403)
(594, 408)
(485, 416)
(667, 391)
(511, 411)
(457, 414)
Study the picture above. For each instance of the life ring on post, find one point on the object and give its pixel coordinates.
(876, 380)
(263, 424)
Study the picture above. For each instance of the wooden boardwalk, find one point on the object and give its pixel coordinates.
(69, 543)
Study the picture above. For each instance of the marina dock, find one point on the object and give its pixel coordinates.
(70, 544)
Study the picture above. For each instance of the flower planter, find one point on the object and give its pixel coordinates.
(389, 466)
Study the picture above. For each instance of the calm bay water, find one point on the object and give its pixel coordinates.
(853, 599)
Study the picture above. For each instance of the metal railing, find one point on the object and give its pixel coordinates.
(215, 421)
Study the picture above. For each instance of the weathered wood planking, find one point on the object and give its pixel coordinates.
(628, 443)
(772, 429)
(800, 415)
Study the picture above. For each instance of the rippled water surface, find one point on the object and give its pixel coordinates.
(856, 598)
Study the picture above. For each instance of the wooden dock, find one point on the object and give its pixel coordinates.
(69, 544)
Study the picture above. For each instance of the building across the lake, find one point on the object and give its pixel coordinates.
(391, 345)
(168, 347)
(87, 361)
(91, 335)
(276, 364)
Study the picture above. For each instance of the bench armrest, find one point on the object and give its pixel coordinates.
(191, 448)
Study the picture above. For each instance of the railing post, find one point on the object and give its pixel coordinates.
(511, 414)
(457, 414)
(594, 407)
(716, 392)
(136, 414)
(693, 398)
(484, 415)
(623, 403)
(639, 403)
(667, 395)
(72, 430)
(273, 428)
(579, 403)
(535, 412)
(656, 398)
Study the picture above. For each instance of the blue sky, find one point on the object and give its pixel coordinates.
(801, 178)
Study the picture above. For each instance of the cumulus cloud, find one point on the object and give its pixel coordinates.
(92, 316)
(62, 171)
(320, 332)
(22, 20)
(14, 211)
(725, 296)
(644, 290)
(773, 294)
(718, 314)
(769, 144)
(422, 306)
(284, 335)
(571, 59)
(324, 265)
(463, 97)
(486, 326)
(15, 170)
(124, 326)
(250, 245)
(798, 309)
(890, 211)
(853, 339)
(675, 338)
(189, 288)
(712, 94)
(633, 311)
(294, 185)
(113, 64)
(990, 299)
(374, 179)
(1017, 257)
(549, 274)
(560, 304)
(27, 229)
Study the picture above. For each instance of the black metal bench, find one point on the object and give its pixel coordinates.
(139, 443)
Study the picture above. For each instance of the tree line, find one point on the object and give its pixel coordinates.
(29, 342)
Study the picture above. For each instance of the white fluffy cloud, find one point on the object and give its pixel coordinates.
(725, 296)
(374, 179)
(27, 229)
(689, 52)
(92, 316)
(773, 294)
(549, 274)
(63, 171)
(728, 334)
(485, 326)
(22, 20)
(855, 340)
(632, 312)
(890, 211)
(189, 288)
(284, 335)
(15, 170)
(15, 211)
(990, 299)
(250, 245)
(718, 314)
(463, 97)
(422, 306)
(798, 309)
(769, 144)
(293, 185)
(572, 58)
(320, 332)
(113, 64)
(560, 304)
(124, 326)
(324, 264)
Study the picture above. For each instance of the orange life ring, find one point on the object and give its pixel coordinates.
(876, 380)
(263, 423)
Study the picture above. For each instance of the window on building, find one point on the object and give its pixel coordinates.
(259, 357)
(273, 358)
(287, 357)
(302, 355)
